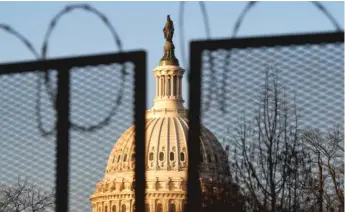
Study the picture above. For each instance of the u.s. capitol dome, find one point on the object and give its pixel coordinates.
(166, 152)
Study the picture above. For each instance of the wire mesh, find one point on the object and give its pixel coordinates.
(311, 76)
(103, 92)
(27, 159)
(244, 84)
(96, 92)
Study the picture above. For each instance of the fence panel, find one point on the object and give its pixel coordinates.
(230, 82)
(62, 147)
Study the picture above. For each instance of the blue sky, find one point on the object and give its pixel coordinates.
(139, 25)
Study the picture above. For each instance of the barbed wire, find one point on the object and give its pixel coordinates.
(251, 4)
(117, 102)
(45, 76)
(21, 37)
(235, 30)
(208, 36)
(181, 28)
(29, 45)
(87, 8)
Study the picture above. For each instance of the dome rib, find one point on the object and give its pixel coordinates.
(202, 148)
(184, 141)
(167, 159)
(177, 147)
(155, 121)
(126, 150)
(158, 143)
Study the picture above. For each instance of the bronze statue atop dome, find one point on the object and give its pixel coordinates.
(169, 54)
(168, 29)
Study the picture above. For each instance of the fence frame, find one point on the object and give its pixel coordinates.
(195, 92)
(62, 106)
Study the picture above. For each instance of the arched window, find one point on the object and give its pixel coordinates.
(114, 159)
(201, 158)
(118, 158)
(133, 157)
(161, 156)
(184, 206)
(151, 156)
(159, 207)
(125, 158)
(105, 209)
(215, 158)
(209, 158)
(182, 156)
(172, 156)
(172, 207)
(123, 208)
(147, 207)
(114, 208)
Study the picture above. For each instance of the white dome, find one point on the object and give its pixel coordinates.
(166, 150)
(166, 165)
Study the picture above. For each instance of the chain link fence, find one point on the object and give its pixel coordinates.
(260, 96)
(100, 93)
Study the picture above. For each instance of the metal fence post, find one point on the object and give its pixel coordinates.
(194, 77)
(62, 127)
(139, 121)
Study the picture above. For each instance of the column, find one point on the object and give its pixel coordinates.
(166, 85)
(163, 86)
(154, 205)
(160, 86)
(157, 86)
(118, 207)
(178, 87)
(167, 204)
(172, 93)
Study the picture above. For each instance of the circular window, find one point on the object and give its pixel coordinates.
(161, 156)
(172, 156)
(182, 156)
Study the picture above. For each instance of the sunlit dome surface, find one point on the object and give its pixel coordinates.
(166, 151)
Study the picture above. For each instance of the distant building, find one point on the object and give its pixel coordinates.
(166, 156)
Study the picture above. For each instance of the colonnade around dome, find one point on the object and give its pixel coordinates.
(161, 204)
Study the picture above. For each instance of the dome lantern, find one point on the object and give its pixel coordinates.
(168, 76)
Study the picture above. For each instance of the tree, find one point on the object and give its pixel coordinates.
(25, 197)
(268, 152)
(328, 185)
